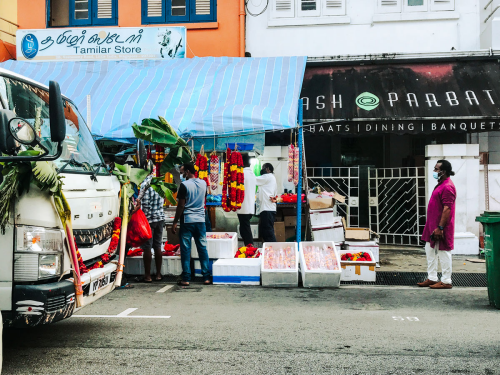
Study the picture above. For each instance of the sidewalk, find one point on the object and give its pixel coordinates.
(414, 260)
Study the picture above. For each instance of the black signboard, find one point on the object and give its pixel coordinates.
(461, 96)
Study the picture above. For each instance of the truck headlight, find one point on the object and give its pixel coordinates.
(39, 253)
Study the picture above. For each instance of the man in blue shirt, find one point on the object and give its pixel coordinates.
(191, 213)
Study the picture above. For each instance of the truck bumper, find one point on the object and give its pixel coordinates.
(49, 303)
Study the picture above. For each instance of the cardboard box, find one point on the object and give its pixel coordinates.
(173, 239)
(339, 198)
(320, 203)
(291, 221)
(279, 231)
(357, 234)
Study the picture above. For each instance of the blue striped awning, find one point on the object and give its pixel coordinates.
(201, 96)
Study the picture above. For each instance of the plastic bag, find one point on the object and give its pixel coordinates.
(138, 231)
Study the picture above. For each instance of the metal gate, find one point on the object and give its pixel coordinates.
(397, 204)
(344, 181)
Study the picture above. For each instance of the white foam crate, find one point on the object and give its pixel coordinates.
(321, 217)
(218, 248)
(319, 278)
(197, 267)
(170, 266)
(237, 271)
(253, 227)
(280, 278)
(332, 232)
(354, 271)
(357, 246)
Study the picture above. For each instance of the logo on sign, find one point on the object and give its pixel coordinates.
(29, 46)
(367, 101)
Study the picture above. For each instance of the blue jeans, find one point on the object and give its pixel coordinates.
(198, 232)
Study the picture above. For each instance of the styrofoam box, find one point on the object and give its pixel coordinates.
(357, 246)
(363, 271)
(255, 231)
(322, 217)
(332, 232)
(237, 271)
(218, 248)
(170, 266)
(197, 267)
(466, 244)
(319, 278)
(280, 278)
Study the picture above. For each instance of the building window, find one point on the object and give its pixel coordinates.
(82, 13)
(178, 11)
(307, 8)
(408, 6)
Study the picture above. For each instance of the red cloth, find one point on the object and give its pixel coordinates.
(444, 194)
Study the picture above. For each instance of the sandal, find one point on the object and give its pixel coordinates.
(158, 279)
(207, 282)
(182, 283)
(126, 286)
(142, 280)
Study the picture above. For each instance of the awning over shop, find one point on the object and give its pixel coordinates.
(200, 96)
(461, 96)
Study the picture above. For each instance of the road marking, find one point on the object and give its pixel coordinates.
(402, 287)
(409, 318)
(165, 288)
(124, 314)
(127, 312)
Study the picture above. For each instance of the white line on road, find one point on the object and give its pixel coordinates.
(127, 312)
(455, 289)
(165, 288)
(124, 314)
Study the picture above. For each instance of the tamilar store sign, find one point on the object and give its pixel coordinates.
(124, 43)
(403, 98)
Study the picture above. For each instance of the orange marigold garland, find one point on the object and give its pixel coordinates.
(201, 167)
(233, 190)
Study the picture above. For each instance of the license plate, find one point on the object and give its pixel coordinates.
(100, 283)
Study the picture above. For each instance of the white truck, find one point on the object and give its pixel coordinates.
(35, 262)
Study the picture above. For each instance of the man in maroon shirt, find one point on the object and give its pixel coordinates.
(439, 230)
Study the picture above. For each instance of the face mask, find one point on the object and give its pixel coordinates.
(183, 178)
(435, 175)
(108, 167)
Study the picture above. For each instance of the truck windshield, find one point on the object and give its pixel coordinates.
(80, 153)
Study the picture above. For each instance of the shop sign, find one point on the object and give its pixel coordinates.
(80, 44)
(402, 127)
(465, 89)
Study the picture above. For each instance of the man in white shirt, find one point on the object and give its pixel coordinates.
(247, 209)
(268, 192)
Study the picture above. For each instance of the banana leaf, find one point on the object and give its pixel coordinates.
(164, 192)
(154, 135)
(177, 156)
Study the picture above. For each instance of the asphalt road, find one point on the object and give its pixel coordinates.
(253, 330)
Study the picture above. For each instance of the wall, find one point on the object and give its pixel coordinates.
(8, 27)
(489, 30)
(494, 187)
(364, 34)
(219, 38)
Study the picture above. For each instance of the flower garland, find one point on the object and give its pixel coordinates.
(290, 162)
(295, 165)
(233, 190)
(214, 172)
(113, 245)
(201, 167)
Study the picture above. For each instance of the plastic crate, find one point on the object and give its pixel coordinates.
(285, 278)
(218, 248)
(237, 271)
(241, 146)
(320, 278)
(170, 266)
(358, 271)
(322, 217)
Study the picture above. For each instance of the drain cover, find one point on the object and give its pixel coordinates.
(412, 278)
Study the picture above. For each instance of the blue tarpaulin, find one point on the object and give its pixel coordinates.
(200, 96)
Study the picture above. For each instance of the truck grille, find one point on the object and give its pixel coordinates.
(56, 303)
(92, 237)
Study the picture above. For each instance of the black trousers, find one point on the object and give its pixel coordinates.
(266, 226)
(245, 230)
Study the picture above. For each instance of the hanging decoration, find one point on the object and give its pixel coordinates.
(214, 172)
(201, 167)
(290, 162)
(233, 190)
(295, 165)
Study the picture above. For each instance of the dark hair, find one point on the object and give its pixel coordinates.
(189, 167)
(268, 166)
(246, 160)
(110, 157)
(446, 167)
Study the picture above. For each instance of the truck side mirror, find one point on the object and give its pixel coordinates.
(56, 113)
(141, 154)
